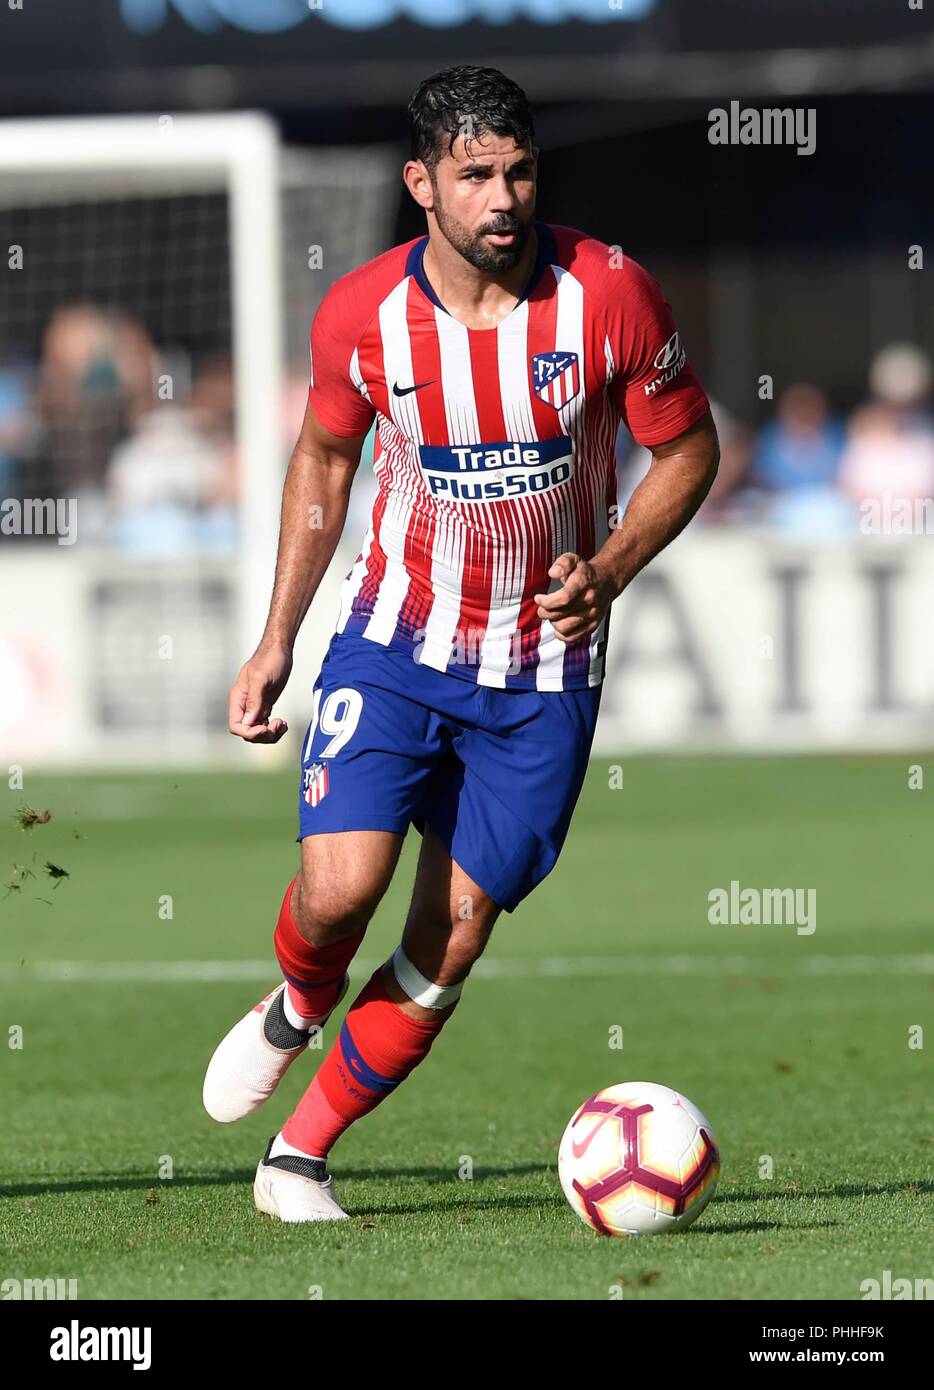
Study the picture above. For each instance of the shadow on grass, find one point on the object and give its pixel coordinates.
(890, 1189)
(115, 1182)
(745, 1228)
(470, 1199)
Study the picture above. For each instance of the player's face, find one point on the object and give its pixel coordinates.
(484, 200)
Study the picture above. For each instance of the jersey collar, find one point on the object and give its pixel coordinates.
(546, 255)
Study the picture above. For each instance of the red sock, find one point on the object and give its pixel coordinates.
(314, 973)
(379, 1044)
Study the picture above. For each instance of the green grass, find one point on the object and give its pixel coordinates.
(795, 1046)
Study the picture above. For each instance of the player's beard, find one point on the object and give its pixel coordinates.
(475, 249)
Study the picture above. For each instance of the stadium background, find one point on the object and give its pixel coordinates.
(775, 622)
(153, 365)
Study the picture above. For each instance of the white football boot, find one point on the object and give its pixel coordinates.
(295, 1189)
(246, 1067)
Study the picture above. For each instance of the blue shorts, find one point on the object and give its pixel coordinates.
(496, 773)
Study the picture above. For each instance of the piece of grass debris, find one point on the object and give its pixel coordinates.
(56, 872)
(18, 878)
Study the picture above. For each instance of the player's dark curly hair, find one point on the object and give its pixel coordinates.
(467, 101)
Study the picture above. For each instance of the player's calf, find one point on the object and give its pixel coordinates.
(252, 1059)
(314, 970)
(325, 913)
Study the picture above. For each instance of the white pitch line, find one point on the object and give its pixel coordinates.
(491, 968)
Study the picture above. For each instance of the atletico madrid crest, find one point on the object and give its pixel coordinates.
(556, 377)
(316, 783)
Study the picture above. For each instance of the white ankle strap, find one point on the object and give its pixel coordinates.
(418, 988)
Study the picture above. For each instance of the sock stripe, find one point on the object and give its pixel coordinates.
(314, 974)
(347, 1086)
(306, 985)
(360, 1069)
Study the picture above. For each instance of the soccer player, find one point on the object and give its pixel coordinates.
(460, 689)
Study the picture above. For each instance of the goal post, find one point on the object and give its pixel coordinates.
(183, 240)
(236, 154)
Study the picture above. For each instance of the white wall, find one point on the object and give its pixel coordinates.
(728, 641)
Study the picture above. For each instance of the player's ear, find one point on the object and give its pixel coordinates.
(417, 180)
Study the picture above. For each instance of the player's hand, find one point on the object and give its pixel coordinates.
(577, 608)
(257, 688)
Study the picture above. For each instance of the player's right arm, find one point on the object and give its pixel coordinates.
(314, 503)
(314, 509)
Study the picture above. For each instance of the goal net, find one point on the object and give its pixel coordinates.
(161, 277)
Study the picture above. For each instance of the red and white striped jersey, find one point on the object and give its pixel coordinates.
(495, 447)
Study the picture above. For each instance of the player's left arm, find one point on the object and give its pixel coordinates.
(678, 480)
(656, 392)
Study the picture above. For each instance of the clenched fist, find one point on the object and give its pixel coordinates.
(261, 681)
(577, 608)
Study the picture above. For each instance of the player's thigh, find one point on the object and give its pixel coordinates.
(504, 814)
(370, 749)
(342, 878)
(450, 918)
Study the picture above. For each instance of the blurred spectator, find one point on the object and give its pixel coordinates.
(802, 446)
(900, 375)
(797, 461)
(725, 500)
(97, 377)
(169, 487)
(212, 397)
(888, 452)
(890, 447)
(214, 412)
(16, 424)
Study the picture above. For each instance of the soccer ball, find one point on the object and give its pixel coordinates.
(638, 1159)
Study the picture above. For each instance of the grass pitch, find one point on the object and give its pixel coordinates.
(797, 1047)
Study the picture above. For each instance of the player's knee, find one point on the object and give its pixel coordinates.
(325, 912)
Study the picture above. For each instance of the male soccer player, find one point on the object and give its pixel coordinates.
(461, 685)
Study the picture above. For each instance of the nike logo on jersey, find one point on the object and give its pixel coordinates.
(398, 390)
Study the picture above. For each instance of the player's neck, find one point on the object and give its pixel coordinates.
(474, 297)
